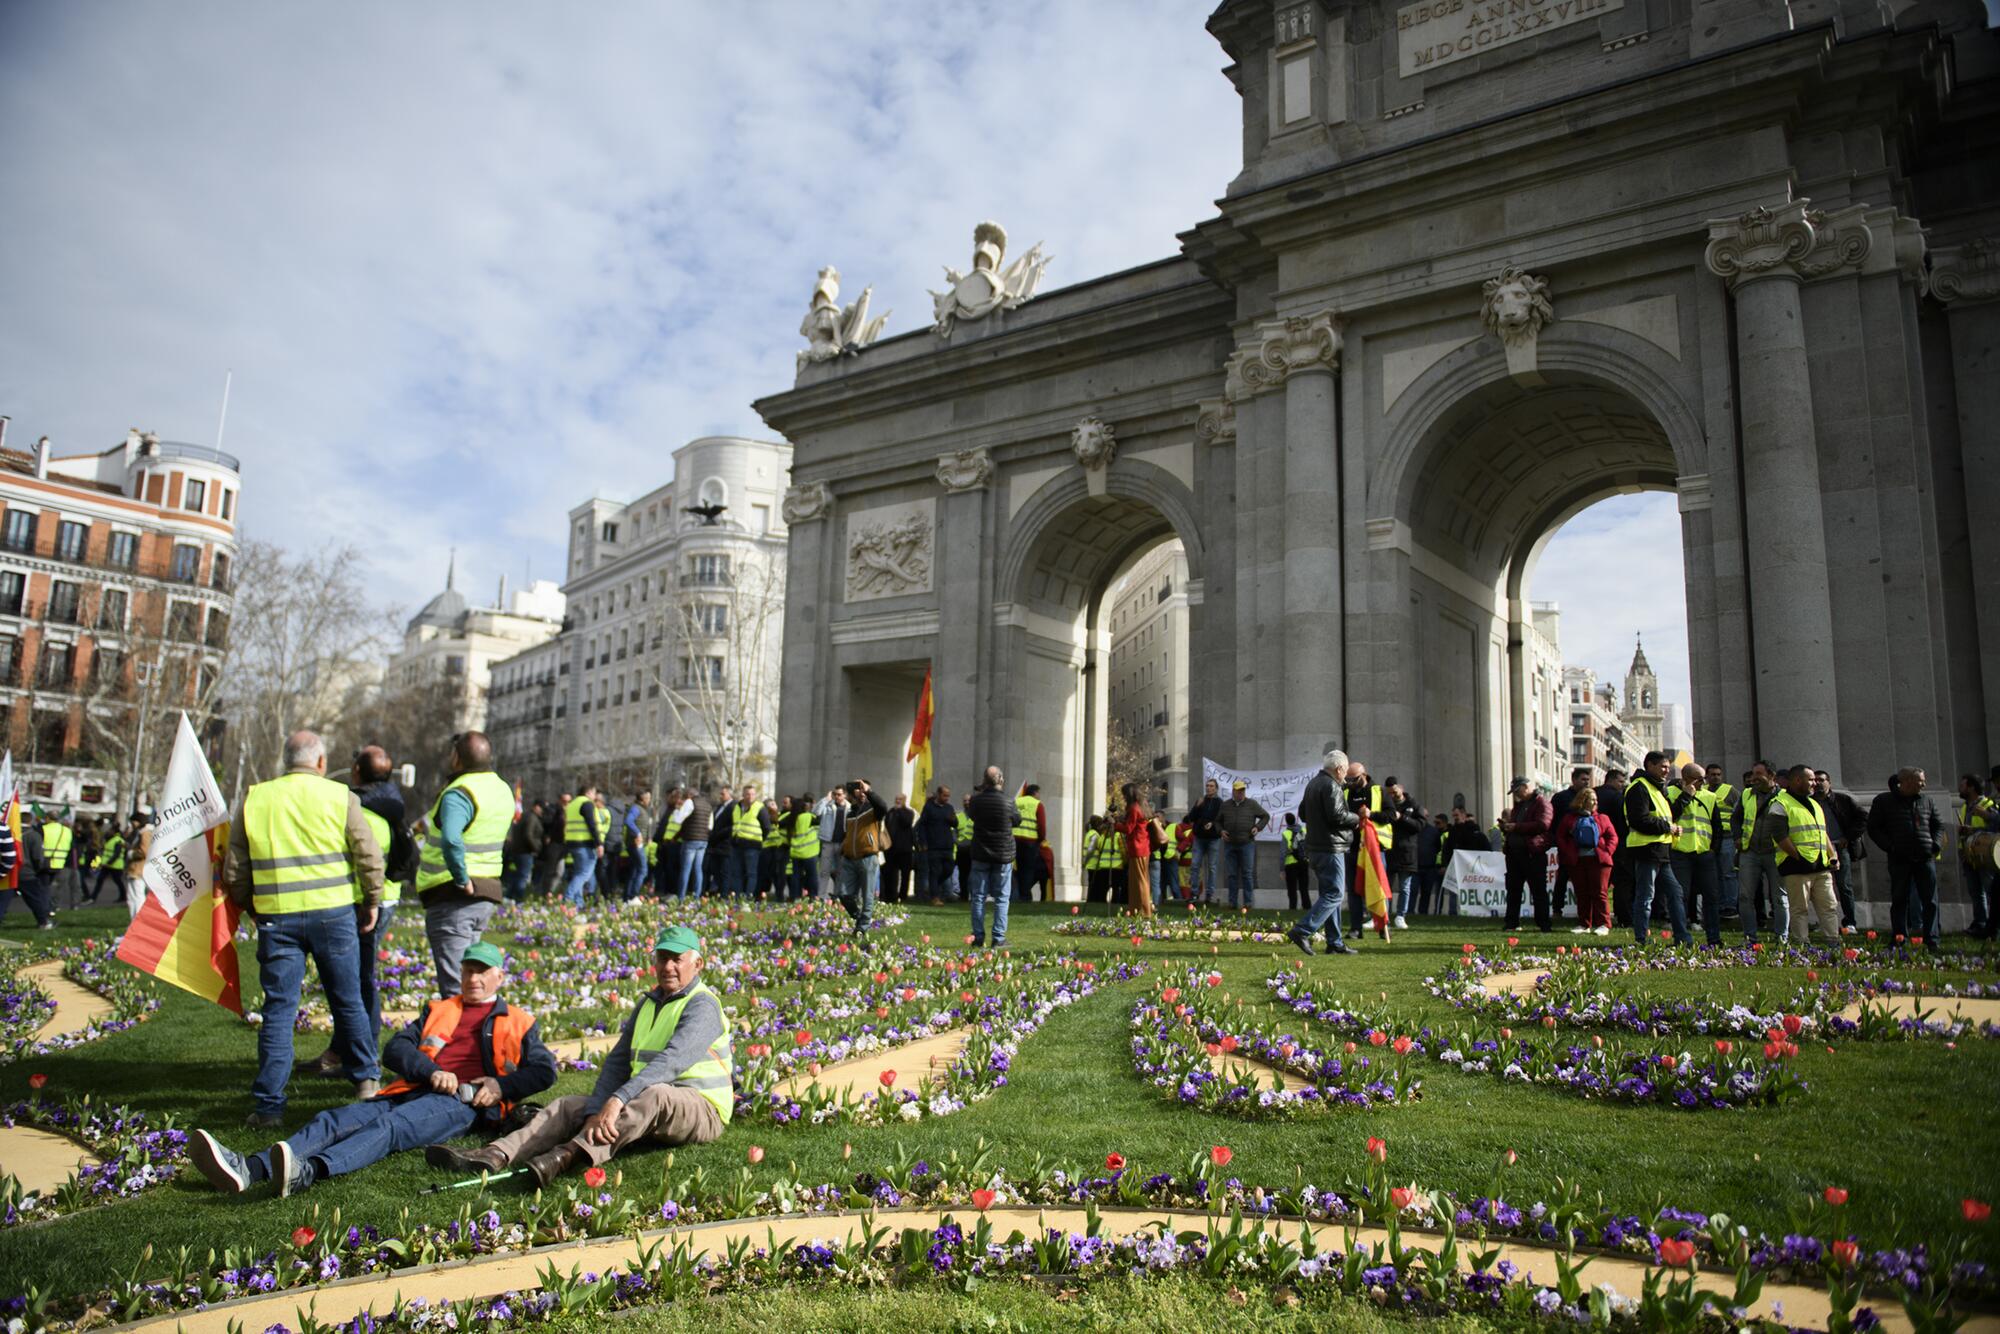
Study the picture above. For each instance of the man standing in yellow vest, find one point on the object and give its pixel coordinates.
(1693, 855)
(458, 871)
(59, 847)
(583, 839)
(304, 862)
(1977, 814)
(1650, 819)
(668, 1080)
(1031, 830)
(1808, 857)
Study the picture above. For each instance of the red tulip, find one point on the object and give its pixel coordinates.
(593, 1177)
(1378, 1149)
(1402, 1046)
(982, 1200)
(1794, 1025)
(880, 978)
(1513, 940)
(1835, 1195)
(1073, 910)
(1114, 1162)
(1213, 979)
(1229, 1042)
(1724, 1046)
(1512, 1157)
(302, 1237)
(755, 1154)
(1214, 1049)
(803, 1036)
(1668, 1062)
(1377, 1038)
(1222, 1153)
(1349, 1049)
(1845, 1253)
(1850, 954)
(37, 1080)
(1871, 935)
(909, 994)
(1674, 1252)
(888, 1077)
(1975, 1211)
(1400, 1196)
(1469, 947)
(1506, 1033)
(1170, 995)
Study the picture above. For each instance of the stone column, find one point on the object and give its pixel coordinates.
(807, 511)
(1764, 255)
(1300, 356)
(961, 542)
(1966, 278)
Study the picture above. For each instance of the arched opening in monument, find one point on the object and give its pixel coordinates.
(1506, 468)
(1104, 605)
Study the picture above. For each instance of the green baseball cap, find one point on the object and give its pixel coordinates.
(677, 940)
(483, 952)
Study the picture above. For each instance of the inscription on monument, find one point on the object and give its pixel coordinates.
(1437, 32)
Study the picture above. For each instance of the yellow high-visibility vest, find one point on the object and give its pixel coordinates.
(485, 834)
(1807, 828)
(1661, 808)
(296, 826)
(710, 1076)
(1027, 817)
(574, 828)
(392, 890)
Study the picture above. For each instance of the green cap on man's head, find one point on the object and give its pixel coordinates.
(677, 940)
(483, 952)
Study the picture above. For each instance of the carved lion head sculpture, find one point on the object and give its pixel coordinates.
(1516, 304)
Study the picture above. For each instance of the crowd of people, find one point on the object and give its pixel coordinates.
(66, 858)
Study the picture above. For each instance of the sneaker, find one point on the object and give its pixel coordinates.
(1401, 925)
(1578, 930)
(225, 1168)
(1303, 941)
(293, 1174)
(1600, 931)
(1342, 947)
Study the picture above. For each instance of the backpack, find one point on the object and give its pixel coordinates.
(1584, 833)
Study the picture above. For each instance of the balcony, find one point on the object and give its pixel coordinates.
(708, 579)
(173, 449)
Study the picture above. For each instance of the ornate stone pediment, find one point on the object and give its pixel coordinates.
(1515, 305)
(1795, 241)
(1281, 348)
(1966, 273)
(964, 470)
(804, 504)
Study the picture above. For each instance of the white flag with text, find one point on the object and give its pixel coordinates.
(179, 869)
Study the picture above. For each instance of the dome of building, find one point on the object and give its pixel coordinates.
(445, 610)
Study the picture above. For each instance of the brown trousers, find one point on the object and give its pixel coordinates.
(662, 1113)
(1139, 886)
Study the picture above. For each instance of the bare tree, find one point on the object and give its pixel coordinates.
(307, 642)
(1127, 759)
(719, 676)
(166, 662)
(413, 721)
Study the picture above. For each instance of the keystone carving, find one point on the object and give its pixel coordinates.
(964, 470)
(1094, 443)
(1794, 240)
(1966, 273)
(1281, 347)
(804, 504)
(1515, 305)
(1215, 422)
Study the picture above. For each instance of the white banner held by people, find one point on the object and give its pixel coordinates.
(180, 870)
(1479, 879)
(1276, 790)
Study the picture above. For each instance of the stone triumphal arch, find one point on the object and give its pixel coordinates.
(1472, 277)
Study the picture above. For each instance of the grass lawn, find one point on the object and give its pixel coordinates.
(1909, 1128)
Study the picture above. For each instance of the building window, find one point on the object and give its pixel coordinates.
(610, 532)
(124, 550)
(13, 590)
(107, 666)
(697, 673)
(20, 531)
(63, 600)
(710, 571)
(454, 665)
(187, 564)
(58, 664)
(183, 619)
(713, 618)
(71, 539)
(195, 496)
(228, 504)
(10, 658)
(111, 610)
(52, 740)
(218, 630)
(219, 571)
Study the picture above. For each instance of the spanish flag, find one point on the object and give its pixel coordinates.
(10, 801)
(195, 949)
(1373, 882)
(185, 932)
(920, 743)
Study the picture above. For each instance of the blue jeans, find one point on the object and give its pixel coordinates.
(1978, 888)
(635, 874)
(583, 872)
(1241, 859)
(1695, 872)
(1646, 873)
(360, 1134)
(1331, 870)
(371, 995)
(739, 868)
(989, 885)
(1725, 871)
(1153, 880)
(804, 878)
(515, 880)
(693, 854)
(1201, 884)
(859, 882)
(1757, 876)
(939, 865)
(284, 942)
(1406, 890)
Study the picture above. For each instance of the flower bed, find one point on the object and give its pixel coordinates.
(1187, 1026)
(27, 1007)
(1196, 926)
(136, 1155)
(1714, 1076)
(24, 1008)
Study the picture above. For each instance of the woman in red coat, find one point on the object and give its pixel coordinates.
(1138, 830)
(1585, 842)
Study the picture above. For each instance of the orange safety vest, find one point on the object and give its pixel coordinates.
(510, 1030)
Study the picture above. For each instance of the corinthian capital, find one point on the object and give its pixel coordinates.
(1280, 348)
(1795, 241)
(1965, 274)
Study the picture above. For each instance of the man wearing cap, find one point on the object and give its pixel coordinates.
(1526, 826)
(464, 1061)
(667, 1080)
(1242, 818)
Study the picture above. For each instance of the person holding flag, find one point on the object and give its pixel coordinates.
(920, 739)
(297, 856)
(1331, 830)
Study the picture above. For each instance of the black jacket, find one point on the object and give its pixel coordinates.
(1203, 817)
(1409, 824)
(399, 859)
(937, 826)
(1639, 818)
(1331, 826)
(1465, 836)
(902, 831)
(1909, 829)
(992, 812)
(526, 837)
(1611, 802)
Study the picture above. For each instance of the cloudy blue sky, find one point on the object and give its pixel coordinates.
(468, 272)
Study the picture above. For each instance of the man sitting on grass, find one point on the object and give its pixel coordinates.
(667, 1080)
(465, 1059)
